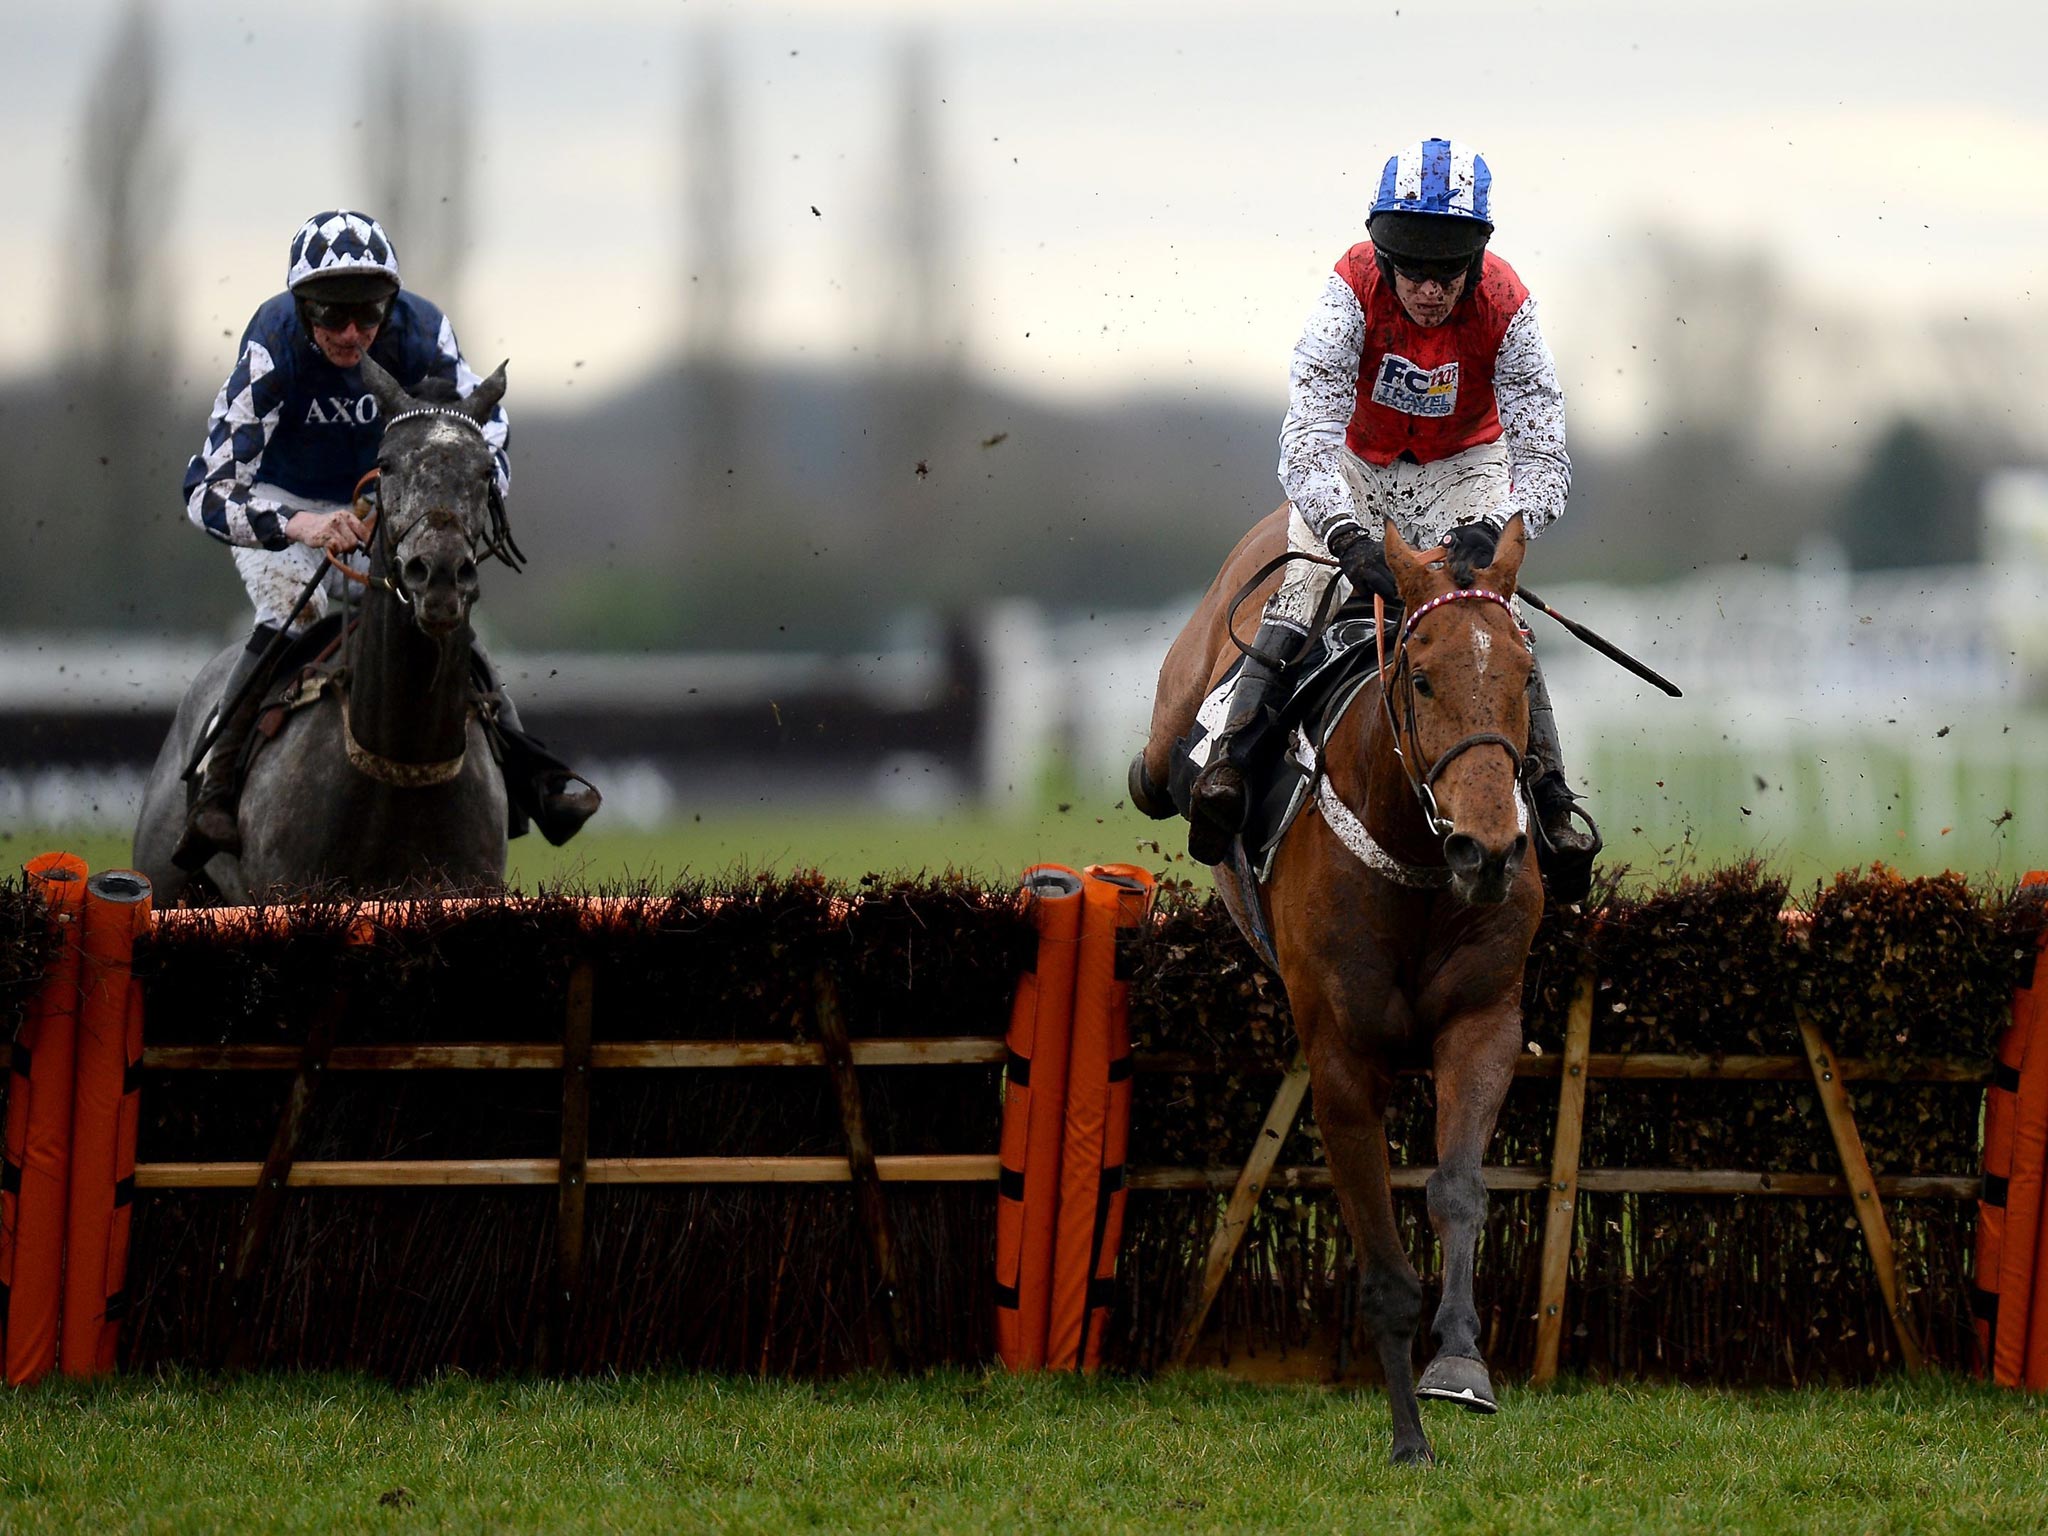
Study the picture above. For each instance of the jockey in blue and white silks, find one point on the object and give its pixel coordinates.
(294, 427)
(1421, 390)
(293, 431)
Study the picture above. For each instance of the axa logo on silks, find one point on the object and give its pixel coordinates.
(339, 410)
(1419, 391)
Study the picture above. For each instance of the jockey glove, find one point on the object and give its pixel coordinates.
(1363, 562)
(1472, 544)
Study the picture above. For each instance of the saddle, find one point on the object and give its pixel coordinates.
(300, 676)
(1315, 691)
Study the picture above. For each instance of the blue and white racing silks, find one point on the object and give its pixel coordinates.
(288, 417)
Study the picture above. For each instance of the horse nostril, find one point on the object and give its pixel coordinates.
(465, 573)
(414, 571)
(1521, 846)
(1463, 853)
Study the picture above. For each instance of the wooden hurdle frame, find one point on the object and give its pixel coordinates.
(572, 1171)
(1574, 1069)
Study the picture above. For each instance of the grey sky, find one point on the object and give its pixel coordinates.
(1141, 195)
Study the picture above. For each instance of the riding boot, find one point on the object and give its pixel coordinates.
(212, 823)
(1565, 858)
(1220, 799)
(539, 787)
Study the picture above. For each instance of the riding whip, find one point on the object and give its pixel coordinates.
(1606, 648)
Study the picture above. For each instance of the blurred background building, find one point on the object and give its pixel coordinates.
(889, 377)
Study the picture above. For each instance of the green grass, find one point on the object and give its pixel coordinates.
(966, 1453)
(846, 843)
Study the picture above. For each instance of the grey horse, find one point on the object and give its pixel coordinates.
(386, 783)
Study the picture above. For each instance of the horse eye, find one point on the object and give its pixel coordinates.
(1422, 685)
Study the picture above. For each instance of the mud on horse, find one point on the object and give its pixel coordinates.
(1401, 914)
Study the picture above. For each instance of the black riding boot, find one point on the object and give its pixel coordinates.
(1566, 852)
(212, 824)
(1220, 798)
(539, 787)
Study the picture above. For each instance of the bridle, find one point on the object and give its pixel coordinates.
(1343, 821)
(1402, 674)
(497, 542)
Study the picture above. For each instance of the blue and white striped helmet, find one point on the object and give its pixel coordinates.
(341, 243)
(1438, 176)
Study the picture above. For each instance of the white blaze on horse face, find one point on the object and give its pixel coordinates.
(1484, 643)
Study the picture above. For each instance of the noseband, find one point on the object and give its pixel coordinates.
(1403, 674)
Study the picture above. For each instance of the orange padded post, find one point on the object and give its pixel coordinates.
(1034, 1111)
(36, 1179)
(2024, 1187)
(1116, 900)
(2000, 1112)
(105, 1110)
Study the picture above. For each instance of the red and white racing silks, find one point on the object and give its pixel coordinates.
(1369, 384)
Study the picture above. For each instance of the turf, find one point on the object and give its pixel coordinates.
(846, 842)
(964, 1453)
(849, 841)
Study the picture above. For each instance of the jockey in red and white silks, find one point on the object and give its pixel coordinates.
(1421, 391)
(1430, 426)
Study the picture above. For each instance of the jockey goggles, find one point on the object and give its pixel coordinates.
(366, 315)
(1420, 271)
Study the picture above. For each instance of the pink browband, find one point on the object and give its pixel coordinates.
(1463, 594)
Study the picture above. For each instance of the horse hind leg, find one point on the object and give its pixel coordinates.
(1390, 1299)
(1390, 1292)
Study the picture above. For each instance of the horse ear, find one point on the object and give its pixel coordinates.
(1402, 559)
(391, 397)
(481, 401)
(1507, 558)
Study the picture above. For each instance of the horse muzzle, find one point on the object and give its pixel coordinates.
(440, 591)
(1483, 876)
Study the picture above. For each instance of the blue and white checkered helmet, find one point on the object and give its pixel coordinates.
(1437, 176)
(341, 243)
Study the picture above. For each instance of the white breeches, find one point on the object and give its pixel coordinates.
(276, 577)
(1425, 501)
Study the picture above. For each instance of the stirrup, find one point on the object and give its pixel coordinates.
(1567, 868)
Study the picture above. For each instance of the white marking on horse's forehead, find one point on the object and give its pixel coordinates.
(443, 430)
(1483, 643)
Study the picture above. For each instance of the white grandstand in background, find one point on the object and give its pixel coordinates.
(1856, 716)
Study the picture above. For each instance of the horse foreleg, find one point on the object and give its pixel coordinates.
(1475, 1062)
(1351, 1102)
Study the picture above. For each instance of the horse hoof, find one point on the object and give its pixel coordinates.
(1414, 1454)
(1144, 795)
(1457, 1379)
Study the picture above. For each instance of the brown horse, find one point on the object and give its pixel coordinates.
(1406, 944)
